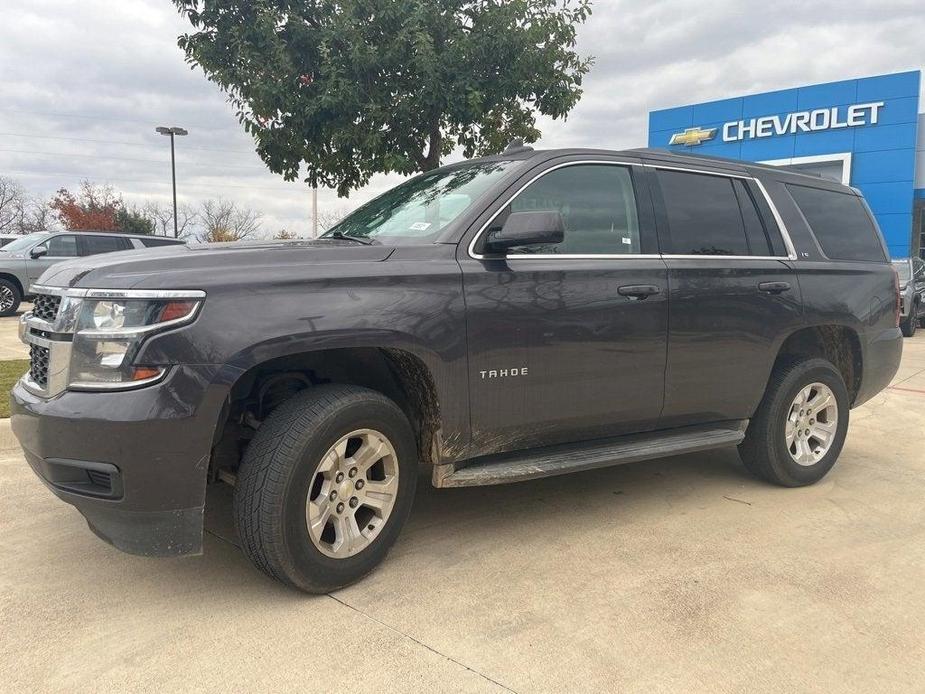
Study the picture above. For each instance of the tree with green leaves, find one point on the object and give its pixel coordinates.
(345, 89)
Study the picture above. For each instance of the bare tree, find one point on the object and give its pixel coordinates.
(285, 235)
(36, 215)
(223, 220)
(162, 216)
(12, 203)
(329, 218)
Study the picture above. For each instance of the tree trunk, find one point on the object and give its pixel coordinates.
(432, 160)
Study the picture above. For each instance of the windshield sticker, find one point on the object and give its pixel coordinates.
(420, 226)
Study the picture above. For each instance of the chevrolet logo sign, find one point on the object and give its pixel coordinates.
(693, 136)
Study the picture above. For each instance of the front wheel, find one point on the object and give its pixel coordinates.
(325, 487)
(910, 325)
(799, 429)
(10, 298)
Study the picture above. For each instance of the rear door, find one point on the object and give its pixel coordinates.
(732, 292)
(558, 349)
(95, 244)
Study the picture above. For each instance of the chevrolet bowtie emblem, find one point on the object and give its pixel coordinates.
(693, 136)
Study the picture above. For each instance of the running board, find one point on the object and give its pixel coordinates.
(559, 460)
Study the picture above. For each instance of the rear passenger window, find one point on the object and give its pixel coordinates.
(94, 245)
(154, 242)
(711, 215)
(839, 222)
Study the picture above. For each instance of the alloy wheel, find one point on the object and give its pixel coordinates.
(6, 298)
(812, 423)
(352, 493)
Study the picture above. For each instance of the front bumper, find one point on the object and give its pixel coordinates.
(147, 449)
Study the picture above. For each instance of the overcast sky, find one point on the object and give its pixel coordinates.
(84, 83)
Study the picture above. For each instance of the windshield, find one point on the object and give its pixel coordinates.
(902, 267)
(419, 209)
(23, 242)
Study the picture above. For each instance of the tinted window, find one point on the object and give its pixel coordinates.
(704, 217)
(596, 202)
(62, 246)
(93, 245)
(839, 222)
(153, 242)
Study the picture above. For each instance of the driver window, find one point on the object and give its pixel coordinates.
(598, 206)
(62, 246)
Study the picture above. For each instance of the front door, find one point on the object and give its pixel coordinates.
(733, 294)
(560, 347)
(60, 247)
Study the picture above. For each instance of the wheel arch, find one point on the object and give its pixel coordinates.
(398, 373)
(838, 344)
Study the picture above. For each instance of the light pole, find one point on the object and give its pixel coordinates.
(163, 130)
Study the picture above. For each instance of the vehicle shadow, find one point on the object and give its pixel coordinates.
(443, 520)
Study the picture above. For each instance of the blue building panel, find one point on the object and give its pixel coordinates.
(827, 142)
(883, 137)
(874, 119)
(887, 198)
(887, 166)
(896, 86)
(830, 94)
(784, 101)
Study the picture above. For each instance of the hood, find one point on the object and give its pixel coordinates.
(202, 265)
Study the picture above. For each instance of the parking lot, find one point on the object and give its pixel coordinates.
(677, 575)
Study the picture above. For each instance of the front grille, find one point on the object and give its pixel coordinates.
(45, 307)
(38, 365)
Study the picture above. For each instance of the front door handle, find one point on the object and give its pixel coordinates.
(774, 287)
(638, 292)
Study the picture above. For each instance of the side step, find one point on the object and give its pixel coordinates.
(587, 455)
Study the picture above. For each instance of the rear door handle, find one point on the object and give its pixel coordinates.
(774, 287)
(638, 292)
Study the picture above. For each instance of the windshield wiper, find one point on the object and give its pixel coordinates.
(348, 237)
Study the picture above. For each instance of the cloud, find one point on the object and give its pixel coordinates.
(85, 83)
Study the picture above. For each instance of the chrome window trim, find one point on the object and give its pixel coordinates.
(784, 232)
(548, 256)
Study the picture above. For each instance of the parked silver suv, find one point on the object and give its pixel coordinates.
(911, 273)
(24, 260)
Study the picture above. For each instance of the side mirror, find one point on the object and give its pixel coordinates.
(527, 228)
(38, 252)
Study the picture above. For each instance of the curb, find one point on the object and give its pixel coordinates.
(8, 442)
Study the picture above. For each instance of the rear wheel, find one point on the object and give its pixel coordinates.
(10, 298)
(910, 325)
(799, 429)
(325, 487)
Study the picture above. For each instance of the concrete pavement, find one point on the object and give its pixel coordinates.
(677, 575)
(10, 345)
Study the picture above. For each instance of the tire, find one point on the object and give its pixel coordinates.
(10, 298)
(909, 325)
(289, 462)
(765, 450)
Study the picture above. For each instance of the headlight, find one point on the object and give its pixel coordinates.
(110, 332)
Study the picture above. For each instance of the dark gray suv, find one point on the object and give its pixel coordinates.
(24, 260)
(497, 320)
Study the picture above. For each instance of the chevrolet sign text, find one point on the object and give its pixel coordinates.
(803, 121)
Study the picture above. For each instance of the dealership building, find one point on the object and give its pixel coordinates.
(865, 132)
